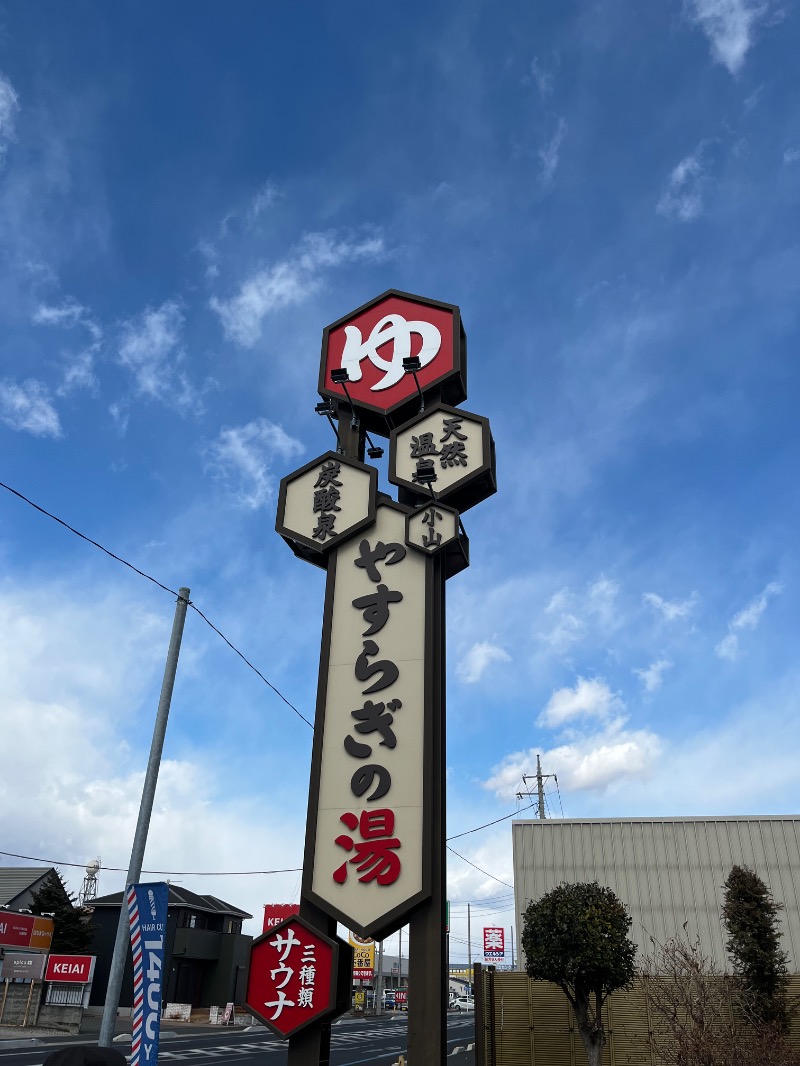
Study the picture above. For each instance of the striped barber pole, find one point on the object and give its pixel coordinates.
(138, 975)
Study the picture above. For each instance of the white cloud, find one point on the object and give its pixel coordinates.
(682, 197)
(653, 675)
(729, 25)
(588, 699)
(748, 618)
(9, 105)
(78, 372)
(588, 764)
(478, 659)
(671, 609)
(728, 647)
(538, 75)
(549, 154)
(28, 407)
(791, 155)
(242, 458)
(266, 196)
(574, 614)
(67, 314)
(150, 347)
(287, 282)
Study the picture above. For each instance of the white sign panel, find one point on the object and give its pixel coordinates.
(368, 823)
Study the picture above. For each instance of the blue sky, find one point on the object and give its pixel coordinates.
(610, 192)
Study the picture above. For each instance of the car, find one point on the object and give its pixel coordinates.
(462, 1003)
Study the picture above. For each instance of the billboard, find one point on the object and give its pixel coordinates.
(494, 946)
(72, 969)
(25, 931)
(363, 957)
(275, 913)
(15, 966)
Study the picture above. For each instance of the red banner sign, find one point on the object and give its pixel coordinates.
(74, 969)
(494, 944)
(275, 913)
(25, 931)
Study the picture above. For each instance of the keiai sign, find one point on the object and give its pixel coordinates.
(374, 857)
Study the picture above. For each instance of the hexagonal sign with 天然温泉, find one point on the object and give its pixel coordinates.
(291, 979)
(323, 502)
(365, 358)
(445, 450)
(433, 529)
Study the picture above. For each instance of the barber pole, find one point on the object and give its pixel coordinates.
(138, 975)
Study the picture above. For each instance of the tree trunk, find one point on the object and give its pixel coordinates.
(591, 1032)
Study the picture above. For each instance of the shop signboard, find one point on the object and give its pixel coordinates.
(70, 969)
(275, 913)
(494, 948)
(25, 931)
(291, 980)
(16, 966)
(363, 957)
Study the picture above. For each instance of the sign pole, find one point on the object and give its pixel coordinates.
(312, 1045)
(427, 983)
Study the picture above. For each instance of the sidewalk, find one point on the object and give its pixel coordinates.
(30, 1036)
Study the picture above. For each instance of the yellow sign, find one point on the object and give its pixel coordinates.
(359, 999)
(363, 957)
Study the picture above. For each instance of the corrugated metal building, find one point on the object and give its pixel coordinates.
(666, 871)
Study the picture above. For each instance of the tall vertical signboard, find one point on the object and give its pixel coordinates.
(374, 853)
(147, 917)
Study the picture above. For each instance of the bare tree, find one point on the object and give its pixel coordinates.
(698, 1015)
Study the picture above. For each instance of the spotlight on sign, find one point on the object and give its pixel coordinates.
(453, 445)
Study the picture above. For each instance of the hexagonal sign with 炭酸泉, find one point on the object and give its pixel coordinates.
(325, 501)
(445, 450)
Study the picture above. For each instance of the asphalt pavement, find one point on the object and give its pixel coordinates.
(354, 1042)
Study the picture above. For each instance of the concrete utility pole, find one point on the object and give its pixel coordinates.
(143, 824)
(469, 948)
(540, 787)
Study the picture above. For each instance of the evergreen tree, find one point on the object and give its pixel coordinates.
(576, 937)
(73, 935)
(750, 915)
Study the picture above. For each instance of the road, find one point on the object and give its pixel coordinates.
(355, 1042)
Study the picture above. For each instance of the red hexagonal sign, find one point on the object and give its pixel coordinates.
(371, 343)
(292, 976)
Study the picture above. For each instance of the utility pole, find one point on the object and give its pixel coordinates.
(143, 824)
(469, 949)
(540, 780)
(512, 947)
(379, 981)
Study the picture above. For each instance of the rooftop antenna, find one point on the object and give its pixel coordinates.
(540, 779)
(88, 890)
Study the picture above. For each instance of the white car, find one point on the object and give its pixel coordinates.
(462, 1003)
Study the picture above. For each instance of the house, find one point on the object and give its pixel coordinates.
(205, 952)
(18, 884)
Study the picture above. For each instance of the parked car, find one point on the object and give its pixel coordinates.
(462, 1003)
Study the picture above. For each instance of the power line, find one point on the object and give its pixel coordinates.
(486, 872)
(165, 588)
(167, 873)
(487, 824)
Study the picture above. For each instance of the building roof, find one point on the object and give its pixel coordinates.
(16, 881)
(181, 897)
(667, 871)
